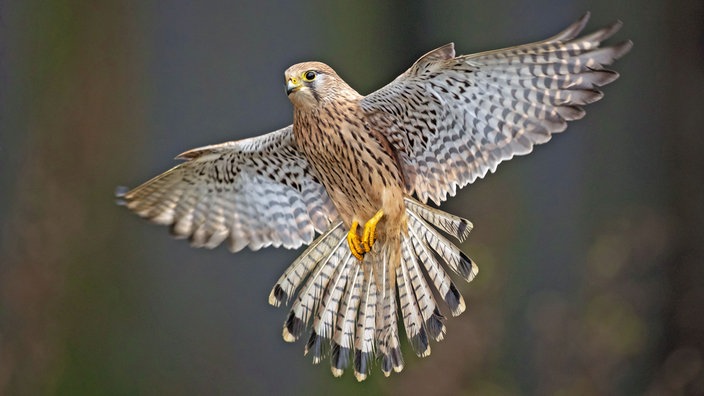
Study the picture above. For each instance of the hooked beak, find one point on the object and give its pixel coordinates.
(292, 85)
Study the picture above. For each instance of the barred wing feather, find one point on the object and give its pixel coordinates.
(254, 192)
(452, 119)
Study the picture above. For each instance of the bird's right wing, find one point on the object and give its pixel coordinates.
(253, 192)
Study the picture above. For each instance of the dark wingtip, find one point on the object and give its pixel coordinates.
(581, 23)
(607, 32)
(622, 48)
(573, 30)
(610, 30)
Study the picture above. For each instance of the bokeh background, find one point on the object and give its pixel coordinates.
(590, 250)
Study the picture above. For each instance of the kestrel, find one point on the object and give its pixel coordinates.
(349, 168)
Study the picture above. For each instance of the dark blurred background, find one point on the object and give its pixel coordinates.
(590, 249)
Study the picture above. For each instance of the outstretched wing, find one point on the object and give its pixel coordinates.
(452, 119)
(253, 192)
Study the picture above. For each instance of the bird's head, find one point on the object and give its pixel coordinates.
(310, 84)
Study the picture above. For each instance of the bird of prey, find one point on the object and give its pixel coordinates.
(359, 171)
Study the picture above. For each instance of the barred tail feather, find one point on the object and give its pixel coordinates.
(324, 323)
(354, 306)
(412, 318)
(433, 320)
(364, 337)
(343, 339)
(387, 341)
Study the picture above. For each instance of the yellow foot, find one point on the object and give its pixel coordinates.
(369, 234)
(360, 247)
(354, 242)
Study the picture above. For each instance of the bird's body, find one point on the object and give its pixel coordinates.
(355, 163)
(350, 160)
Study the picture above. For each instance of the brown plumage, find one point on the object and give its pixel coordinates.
(354, 162)
(350, 160)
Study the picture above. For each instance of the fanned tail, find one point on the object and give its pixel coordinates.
(354, 306)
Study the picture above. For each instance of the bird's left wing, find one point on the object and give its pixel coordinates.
(254, 192)
(451, 119)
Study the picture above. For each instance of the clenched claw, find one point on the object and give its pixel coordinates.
(358, 246)
(355, 244)
(369, 234)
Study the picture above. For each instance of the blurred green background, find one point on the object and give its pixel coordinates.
(590, 250)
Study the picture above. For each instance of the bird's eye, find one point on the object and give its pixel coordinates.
(309, 75)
